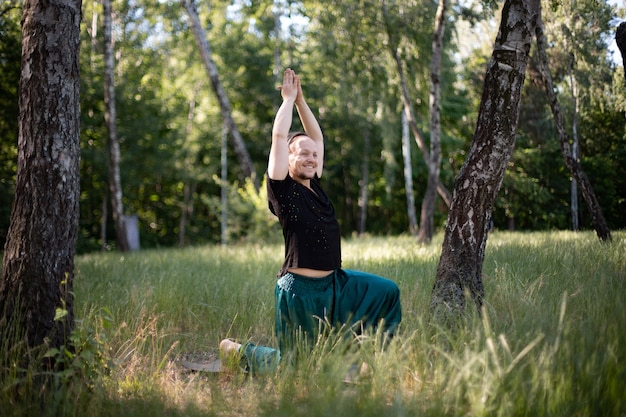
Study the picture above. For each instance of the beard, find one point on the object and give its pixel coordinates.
(305, 174)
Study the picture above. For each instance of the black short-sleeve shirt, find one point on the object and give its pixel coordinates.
(309, 223)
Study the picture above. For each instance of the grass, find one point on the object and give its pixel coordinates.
(551, 342)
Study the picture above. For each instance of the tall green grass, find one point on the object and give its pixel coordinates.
(551, 340)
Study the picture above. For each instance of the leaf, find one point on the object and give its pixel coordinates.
(60, 313)
(51, 353)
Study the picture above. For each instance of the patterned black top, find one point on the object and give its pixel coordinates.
(310, 227)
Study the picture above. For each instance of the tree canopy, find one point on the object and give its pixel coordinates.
(170, 126)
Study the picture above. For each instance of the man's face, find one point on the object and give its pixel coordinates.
(302, 158)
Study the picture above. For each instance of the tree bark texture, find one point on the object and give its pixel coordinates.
(406, 100)
(205, 51)
(475, 189)
(110, 118)
(427, 221)
(575, 141)
(38, 264)
(620, 40)
(572, 163)
(408, 177)
(224, 186)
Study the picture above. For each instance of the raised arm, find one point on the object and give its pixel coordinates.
(311, 126)
(291, 92)
(278, 164)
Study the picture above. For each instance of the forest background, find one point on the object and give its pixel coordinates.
(171, 129)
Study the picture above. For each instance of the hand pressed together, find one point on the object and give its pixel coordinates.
(290, 89)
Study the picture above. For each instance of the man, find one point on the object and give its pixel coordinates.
(312, 290)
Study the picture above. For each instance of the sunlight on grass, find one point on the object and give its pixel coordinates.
(550, 342)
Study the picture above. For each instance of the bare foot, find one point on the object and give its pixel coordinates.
(229, 347)
(229, 353)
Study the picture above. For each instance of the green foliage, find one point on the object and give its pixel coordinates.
(252, 219)
(10, 58)
(63, 381)
(170, 125)
(535, 194)
(84, 358)
(603, 147)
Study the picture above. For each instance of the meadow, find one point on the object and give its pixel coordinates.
(551, 340)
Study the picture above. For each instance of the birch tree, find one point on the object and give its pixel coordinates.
(476, 187)
(364, 183)
(205, 51)
(434, 185)
(620, 40)
(110, 118)
(575, 30)
(572, 162)
(408, 176)
(427, 225)
(36, 299)
(189, 185)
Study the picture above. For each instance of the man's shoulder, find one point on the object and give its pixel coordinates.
(278, 189)
(274, 183)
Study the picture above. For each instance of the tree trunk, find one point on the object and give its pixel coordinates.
(575, 143)
(38, 265)
(620, 39)
(406, 100)
(110, 118)
(599, 223)
(480, 178)
(408, 177)
(103, 221)
(224, 185)
(349, 216)
(205, 51)
(189, 187)
(278, 13)
(364, 183)
(427, 221)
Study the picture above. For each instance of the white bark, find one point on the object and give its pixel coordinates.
(599, 222)
(38, 261)
(427, 228)
(364, 183)
(205, 51)
(480, 178)
(408, 176)
(110, 118)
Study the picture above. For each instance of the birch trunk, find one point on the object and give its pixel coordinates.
(189, 188)
(408, 177)
(205, 51)
(38, 264)
(573, 165)
(620, 40)
(427, 222)
(573, 86)
(364, 183)
(406, 101)
(224, 186)
(476, 187)
(110, 119)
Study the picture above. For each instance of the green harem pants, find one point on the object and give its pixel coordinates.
(345, 297)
